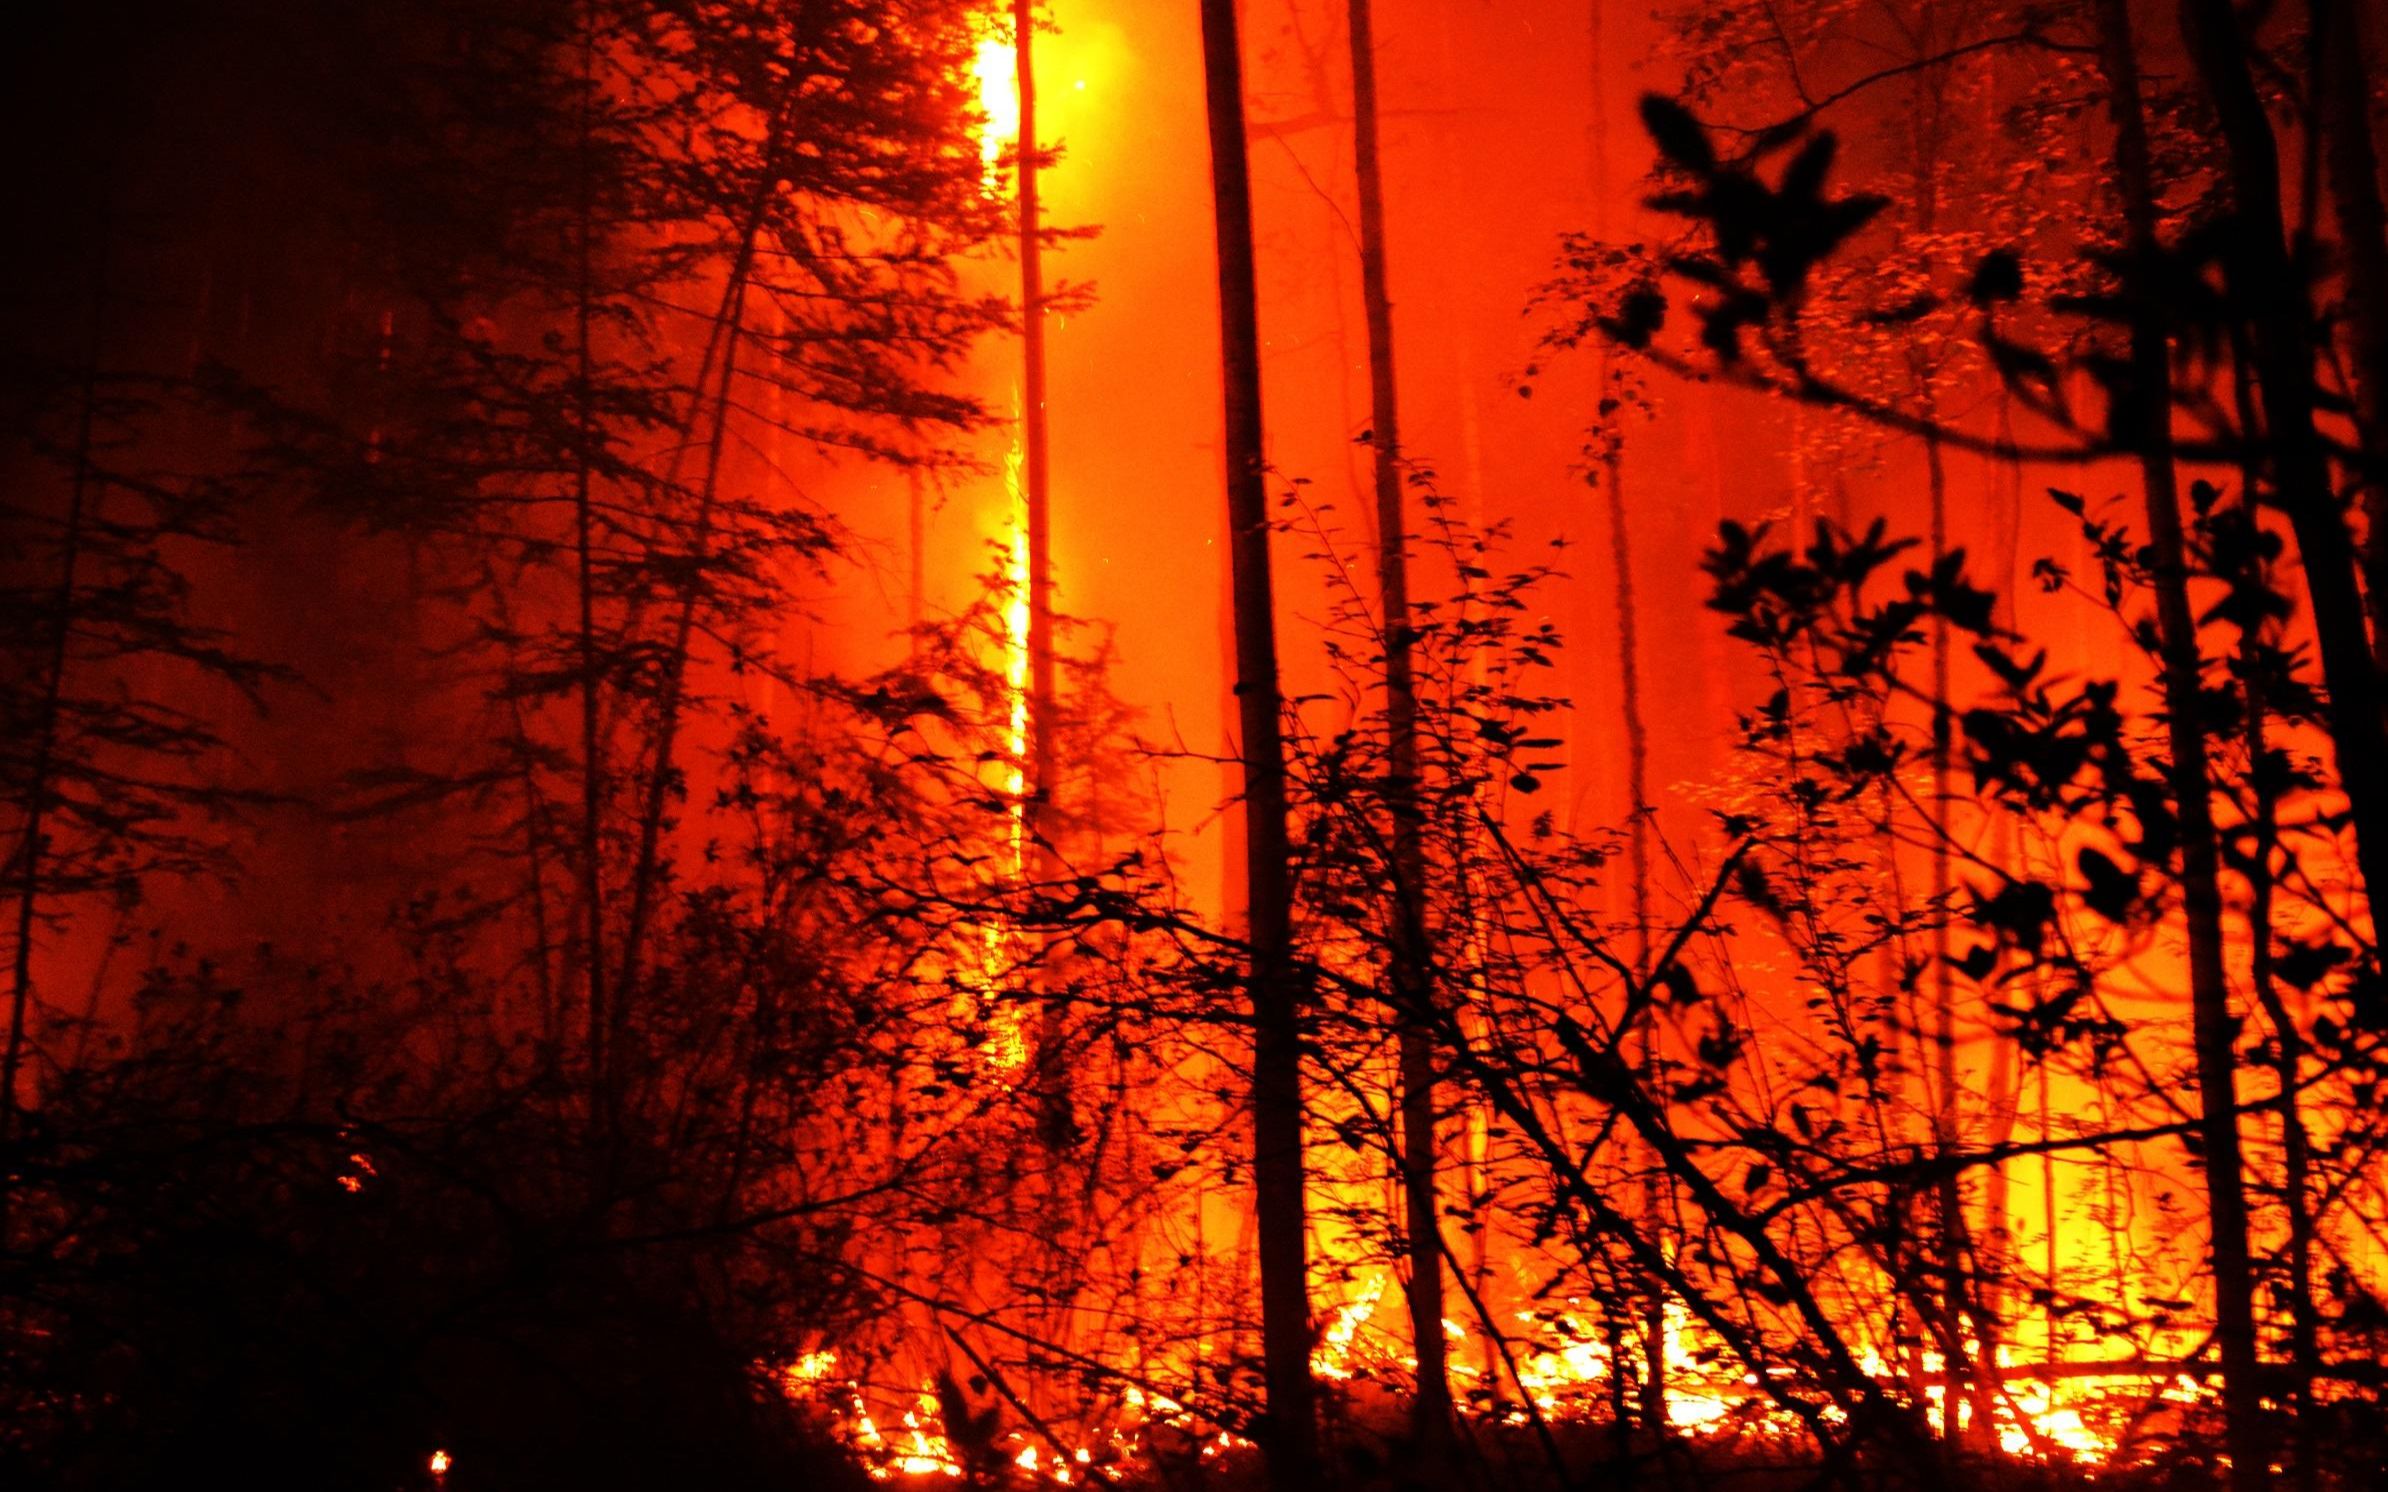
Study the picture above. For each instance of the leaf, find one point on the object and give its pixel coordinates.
(1977, 963)
(2304, 965)
(1997, 277)
(1641, 314)
(2022, 909)
(1679, 136)
(1678, 981)
(2112, 890)
(1803, 180)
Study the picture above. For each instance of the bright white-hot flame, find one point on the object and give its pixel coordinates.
(1009, 1048)
(1333, 1359)
(810, 1369)
(996, 67)
(440, 1462)
(1564, 1366)
(1015, 637)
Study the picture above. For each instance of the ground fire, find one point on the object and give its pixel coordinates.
(1180, 744)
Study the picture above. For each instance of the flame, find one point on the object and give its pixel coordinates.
(1333, 1356)
(922, 1448)
(1563, 1356)
(1565, 1367)
(1009, 1047)
(440, 1462)
(996, 67)
(2032, 1417)
(1015, 642)
(813, 1367)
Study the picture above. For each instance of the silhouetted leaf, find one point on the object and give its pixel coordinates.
(1997, 277)
(2112, 890)
(1679, 137)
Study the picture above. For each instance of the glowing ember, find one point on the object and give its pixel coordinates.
(353, 1180)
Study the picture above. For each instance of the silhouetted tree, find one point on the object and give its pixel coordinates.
(1274, 984)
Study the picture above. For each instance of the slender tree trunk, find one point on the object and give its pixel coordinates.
(654, 792)
(1961, 1392)
(1037, 812)
(2288, 1065)
(1274, 987)
(2289, 1048)
(1035, 446)
(1032, 428)
(592, 767)
(30, 850)
(2353, 166)
(2213, 1029)
(1994, 1243)
(2267, 289)
(1653, 1406)
(1657, 1189)
(537, 831)
(1412, 970)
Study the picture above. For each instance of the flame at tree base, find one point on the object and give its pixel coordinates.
(2081, 1413)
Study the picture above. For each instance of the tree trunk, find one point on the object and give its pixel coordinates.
(2352, 163)
(1412, 972)
(1035, 446)
(79, 502)
(1275, 991)
(2289, 1048)
(1960, 1390)
(657, 780)
(1653, 1407)
(2212, 1027)
(2288, 1065)
(592, 769)
(2267, 289)
(1057, 1123)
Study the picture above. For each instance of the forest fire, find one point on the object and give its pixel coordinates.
(1293, 743)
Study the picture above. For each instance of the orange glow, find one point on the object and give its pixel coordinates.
(1019, 1120)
